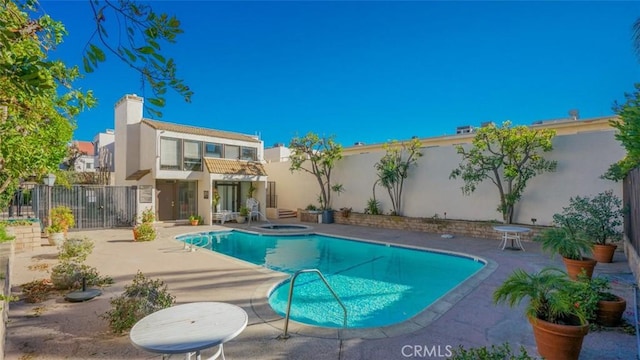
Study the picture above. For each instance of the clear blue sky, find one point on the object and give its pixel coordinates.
(375, 71)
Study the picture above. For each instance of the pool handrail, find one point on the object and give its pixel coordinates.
(293, 280)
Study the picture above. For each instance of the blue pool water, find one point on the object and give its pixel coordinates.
(379, 284)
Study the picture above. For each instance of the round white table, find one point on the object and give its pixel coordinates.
(189, 328)
(511, 233)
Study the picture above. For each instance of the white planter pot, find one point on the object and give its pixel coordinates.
(56, 239)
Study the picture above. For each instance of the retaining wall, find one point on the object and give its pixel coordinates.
(479, 229)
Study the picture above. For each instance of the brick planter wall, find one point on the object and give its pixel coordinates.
(479, 229)
(28, 237)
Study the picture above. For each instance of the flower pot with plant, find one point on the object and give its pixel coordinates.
(569, 240)
(600, 219)
(195, 220)
(559, 323)
(242, 215)
(600, 304)
(62, 220)
(146, 232)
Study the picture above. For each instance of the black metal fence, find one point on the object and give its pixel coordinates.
(93, 206)
(631, 198)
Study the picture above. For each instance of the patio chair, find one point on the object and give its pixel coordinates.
(254, 208)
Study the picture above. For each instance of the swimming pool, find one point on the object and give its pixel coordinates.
(380, 284)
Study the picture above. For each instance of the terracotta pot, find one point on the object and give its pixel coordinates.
(558, 342)
(135, 234)
(609, 312)
(604, 253)
(194, 222)
(574, 267)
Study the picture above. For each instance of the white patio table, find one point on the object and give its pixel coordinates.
(189, 328)
(511, 233)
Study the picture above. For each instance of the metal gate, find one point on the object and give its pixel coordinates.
(93, 206)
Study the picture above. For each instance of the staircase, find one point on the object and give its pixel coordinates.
(286, 213)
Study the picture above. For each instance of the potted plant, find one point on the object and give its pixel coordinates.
(568, 240)
(242, 215)
(146, 232)
(215, 201)
(61, 220)
(194, 219)
(601, 306)
(55, 234)
(62, 216)
(559, 323)
(601, 222)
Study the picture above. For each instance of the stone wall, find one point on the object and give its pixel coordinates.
(479, 229)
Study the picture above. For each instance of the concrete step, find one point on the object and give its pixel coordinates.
(286, 213)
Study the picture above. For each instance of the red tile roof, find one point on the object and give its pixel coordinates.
(84, 147)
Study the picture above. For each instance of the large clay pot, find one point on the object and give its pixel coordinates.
(609, 312)
(574, 267)
(604, 253)
(558, 342)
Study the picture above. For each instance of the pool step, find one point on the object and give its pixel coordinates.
(286, 213)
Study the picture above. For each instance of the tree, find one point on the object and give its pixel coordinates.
(317, 156)
(628, 125)
(36, 96)
(508, 157)
(393, 169)
(38, 101)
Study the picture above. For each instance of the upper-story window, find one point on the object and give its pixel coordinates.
(170, 154)
(249, 153)
(231, 152)
(213, 150)
(179, 154)
(192, 156)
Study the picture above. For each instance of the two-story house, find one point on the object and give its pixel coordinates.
(178, 167)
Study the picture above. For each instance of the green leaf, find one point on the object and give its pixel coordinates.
(99, 54)
(148, 50)
(130, 54)
(87, 66)
(159, 102)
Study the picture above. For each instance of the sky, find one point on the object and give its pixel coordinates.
(373, 72)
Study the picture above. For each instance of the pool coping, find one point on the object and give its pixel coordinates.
(259, 300)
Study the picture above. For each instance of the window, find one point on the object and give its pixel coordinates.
(170, 155)
(231, 152)
(249, 153)
(213, 150)
(192, 156)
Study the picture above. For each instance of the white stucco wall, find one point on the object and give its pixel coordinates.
(581, 157)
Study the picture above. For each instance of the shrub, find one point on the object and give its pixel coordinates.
(69, 275)
(373, 207)
(140, 298)
(62, 218)
(500, 352)
(146, 232)
(3, 234)
(148, 216)
(75, 250)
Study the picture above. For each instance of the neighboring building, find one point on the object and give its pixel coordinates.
(279, 152)
(83, 156)
(178, 167)
(104, 148)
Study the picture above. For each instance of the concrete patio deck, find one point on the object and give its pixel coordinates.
(57, 329)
